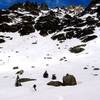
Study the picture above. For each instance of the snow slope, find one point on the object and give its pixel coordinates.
(43, 54)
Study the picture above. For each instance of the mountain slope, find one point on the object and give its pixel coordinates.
(28, 47)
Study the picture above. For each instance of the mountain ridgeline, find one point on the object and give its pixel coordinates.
(50, 3)
(62, 23)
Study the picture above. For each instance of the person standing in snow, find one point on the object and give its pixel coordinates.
(34, 86)
(54, 77)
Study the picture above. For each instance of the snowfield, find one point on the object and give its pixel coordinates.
(35, 54)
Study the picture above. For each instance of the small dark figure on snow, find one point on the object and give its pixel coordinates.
(17, 83)
(34, 86)
(45, 75)
(54, 77)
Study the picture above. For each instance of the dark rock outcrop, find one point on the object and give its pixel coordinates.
(51, 22)
(48, 24)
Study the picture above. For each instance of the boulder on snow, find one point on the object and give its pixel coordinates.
(45, 75)
(54, 83)
(2, 40)
(77, 49)
(69, 80)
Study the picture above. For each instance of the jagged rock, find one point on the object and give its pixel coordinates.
(69, 80)
(54, 83)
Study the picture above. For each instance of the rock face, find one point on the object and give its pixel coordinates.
(69, 80)
(29, 17)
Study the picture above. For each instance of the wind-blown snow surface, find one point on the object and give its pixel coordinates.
(45, 54)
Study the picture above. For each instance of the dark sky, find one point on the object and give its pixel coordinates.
(51, 3)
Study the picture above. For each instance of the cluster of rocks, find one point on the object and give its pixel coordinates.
(71, 27)
(46, 75)
(68, 80)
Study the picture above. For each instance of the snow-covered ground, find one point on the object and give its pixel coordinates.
(35, 54)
